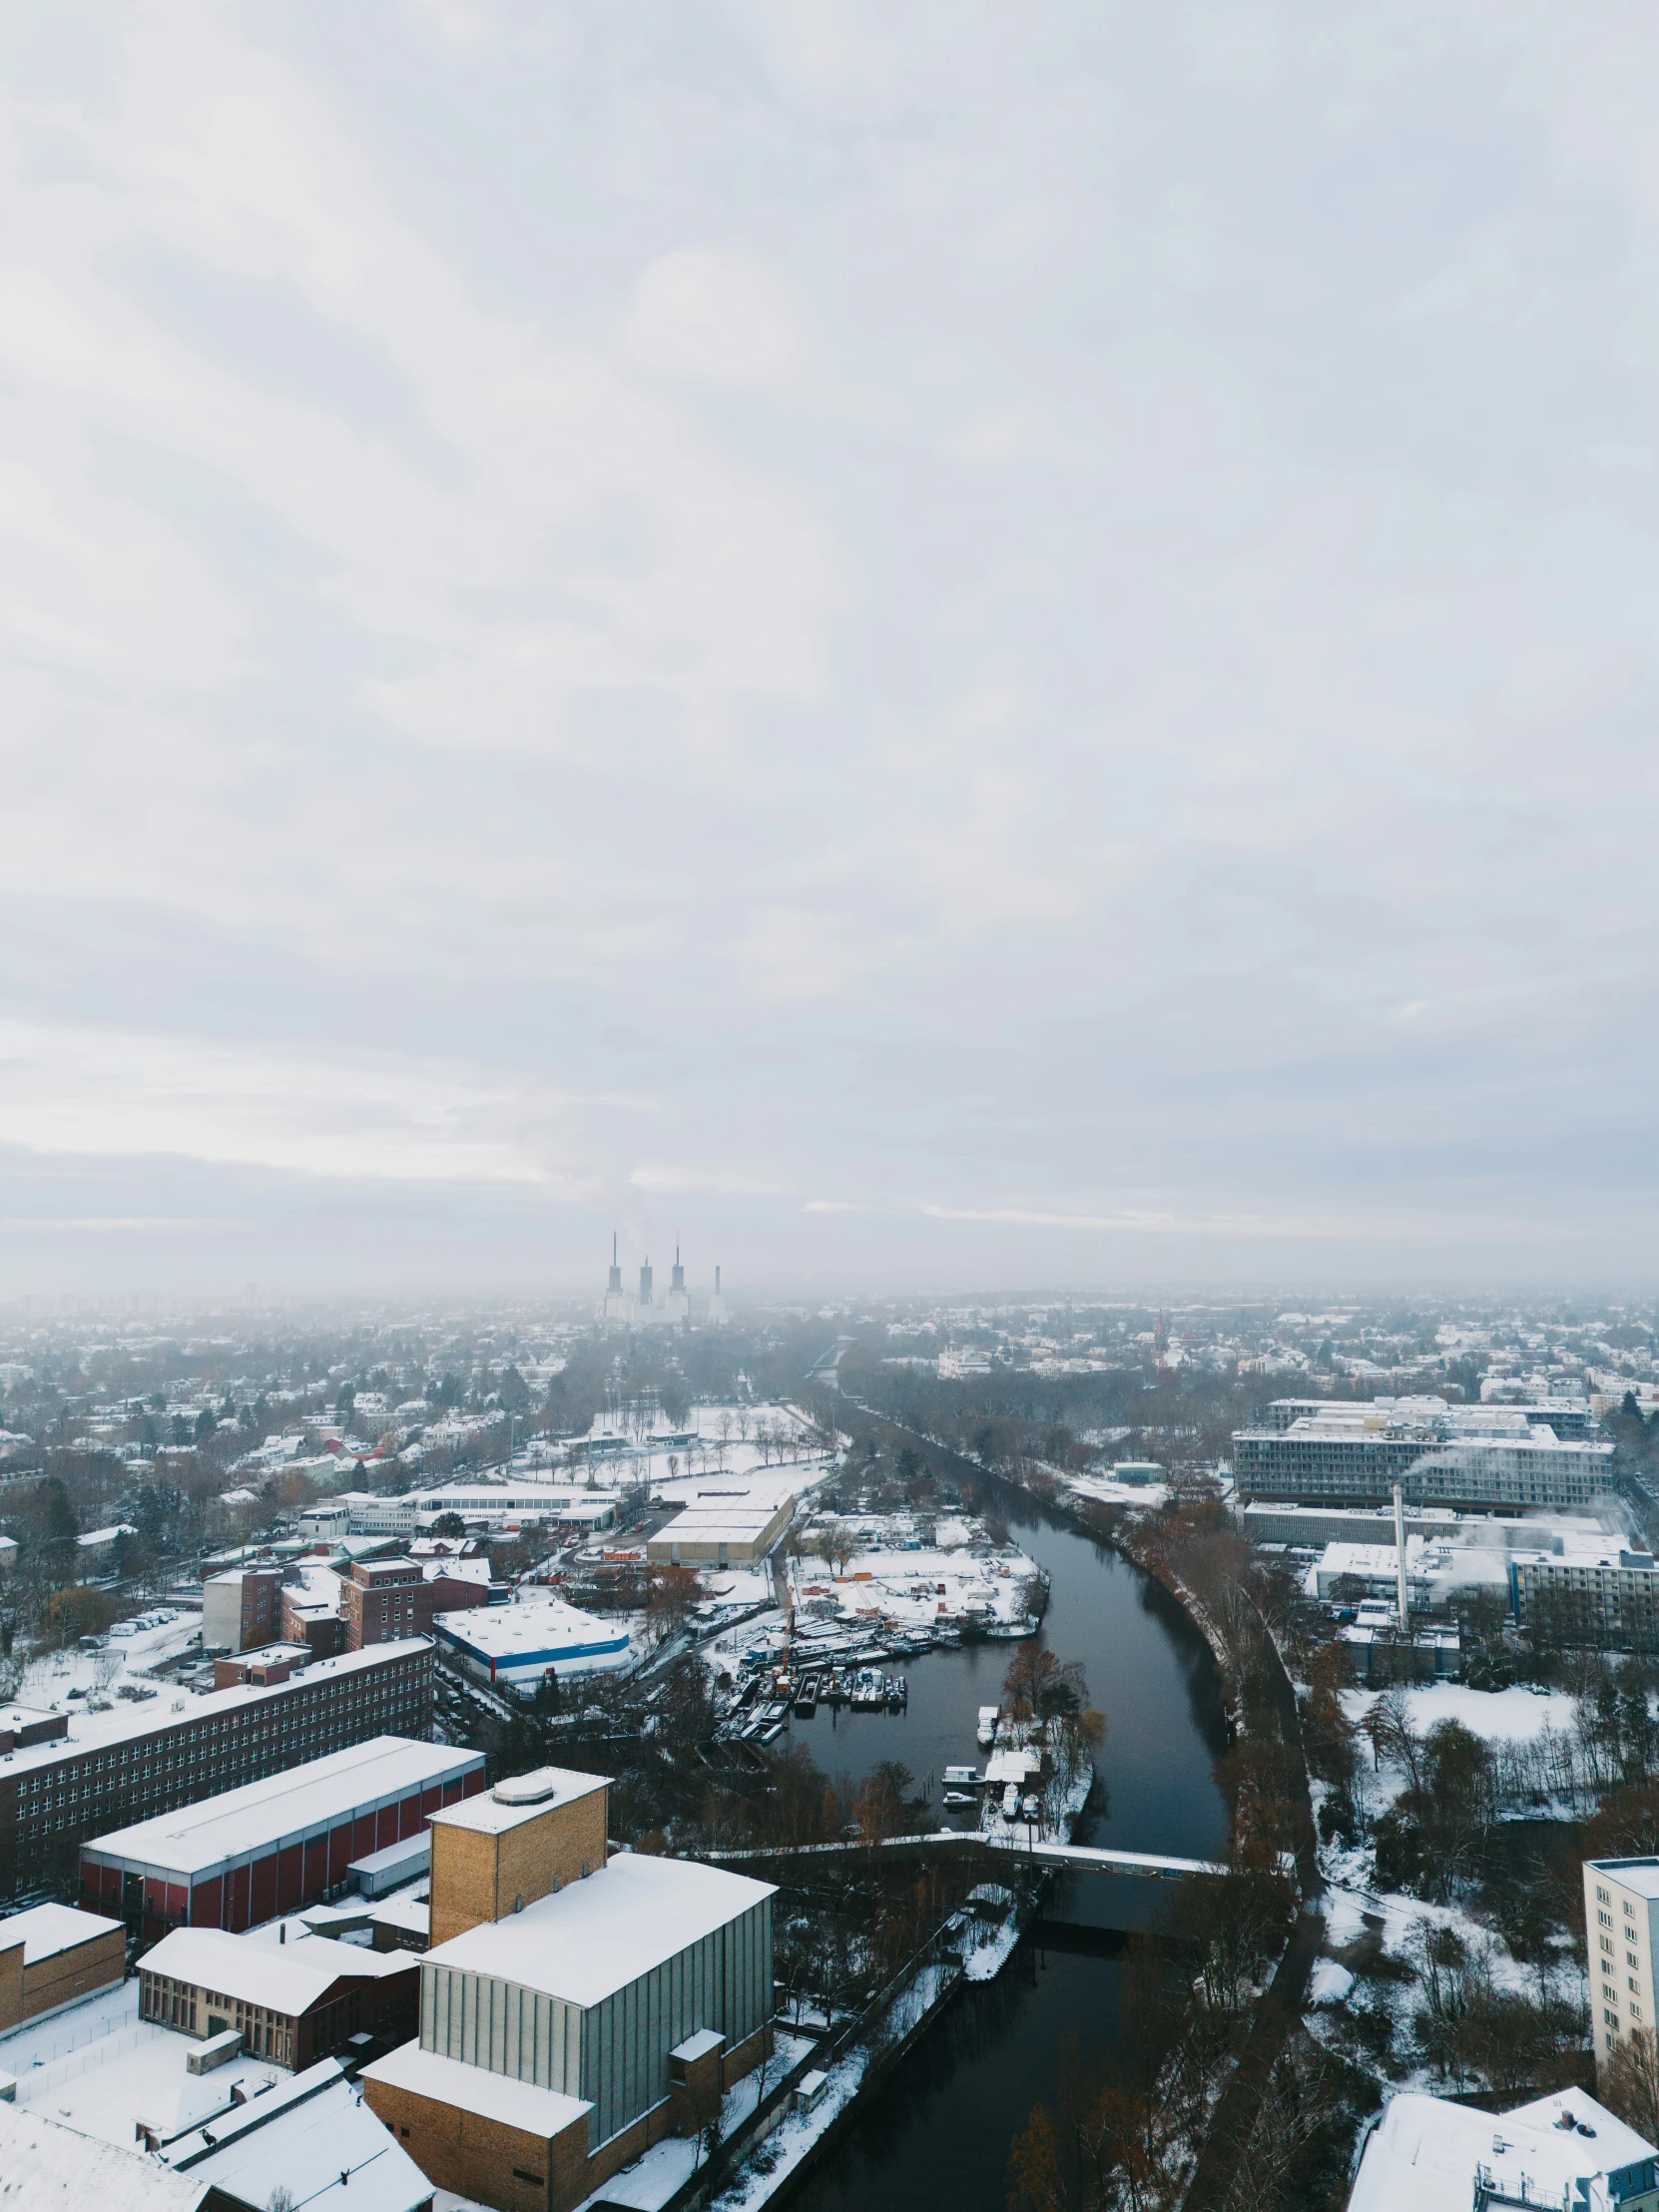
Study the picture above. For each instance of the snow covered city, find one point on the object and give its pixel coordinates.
(828, 1192)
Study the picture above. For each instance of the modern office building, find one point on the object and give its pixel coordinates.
(576, 2007)
(1478, 1457)
(1567, 1416)
(274, 1846)
(142, 1758)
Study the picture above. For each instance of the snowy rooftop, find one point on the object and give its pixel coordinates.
(593, 1937)
(545, 1625)
(315, 2136)
(46, 2164)
(91, 1730)
(199, 1839)
(492, 2096)
(530, 1795)
(289, 1977)
(46, 1930)
(1639, 1876)
(1427, 2153)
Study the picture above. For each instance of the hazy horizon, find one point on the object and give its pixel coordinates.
(923, 649)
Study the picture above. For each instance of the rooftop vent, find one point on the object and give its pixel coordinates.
(526, 1789)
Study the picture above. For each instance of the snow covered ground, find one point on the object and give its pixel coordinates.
(651, 2180)
(890, 1577)
(766, 2171)
(1511, 1716)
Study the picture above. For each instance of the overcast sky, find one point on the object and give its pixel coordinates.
(931, 644)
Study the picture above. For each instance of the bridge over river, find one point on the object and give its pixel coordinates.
(1077, 1857)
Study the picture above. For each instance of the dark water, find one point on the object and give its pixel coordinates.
(938, 2131)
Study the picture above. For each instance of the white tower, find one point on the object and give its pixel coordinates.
(616, 1298)
(716, 1306)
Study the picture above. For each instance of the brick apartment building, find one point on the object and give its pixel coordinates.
(382, 1600)
(134, 1761)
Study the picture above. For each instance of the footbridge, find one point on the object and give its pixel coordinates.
(1033, 1851)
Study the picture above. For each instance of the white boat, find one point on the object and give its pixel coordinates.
(960, 1797)
(987, 1726)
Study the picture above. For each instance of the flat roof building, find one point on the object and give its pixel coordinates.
(1602, 1597)
(727, 1526)
(575, 2008)
(142, 1758)
(52, 1956)
(1478, 1456)
(521, 1645)
(241, 1857)
(1429, 2154)
(1621, 1923)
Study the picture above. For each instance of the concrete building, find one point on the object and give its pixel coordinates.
(140, 1758)
(722, 1527)
(1427, 2155)
(241, 1608)
(520, 1502)
(521, 1645)
(1621, 1920)
(1566, 1417)
(575, 2008)
(1603, 1599)
(291, 2003)
(1474, 1457)
(52, 1956)
(274, 1846)
(1311, 1527)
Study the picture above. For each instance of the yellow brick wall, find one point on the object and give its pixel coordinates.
(75, 1973)
(477, 2158)
(553, 1848)
(11, 1985)
(478, 1876)
(464, 1880)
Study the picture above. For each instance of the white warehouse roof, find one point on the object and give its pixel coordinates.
(201, 1839)
(546, 1631)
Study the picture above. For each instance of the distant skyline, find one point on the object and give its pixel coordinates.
(931, 648)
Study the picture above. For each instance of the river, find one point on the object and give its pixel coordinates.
(937, 2132)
